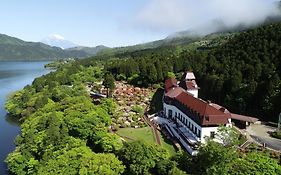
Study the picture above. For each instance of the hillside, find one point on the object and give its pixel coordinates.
(12, 48)
(15, 49)
(64, 132)
(184, 42)
(241, 71)
(88, 50)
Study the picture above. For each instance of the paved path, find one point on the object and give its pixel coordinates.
(260, 134)
(154, 130)
(153, 127)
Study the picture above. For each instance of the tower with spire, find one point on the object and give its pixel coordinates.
(189, 84)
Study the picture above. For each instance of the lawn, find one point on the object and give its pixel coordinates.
(145, 134)
(167, 144)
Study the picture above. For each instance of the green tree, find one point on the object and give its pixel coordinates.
(255, 163)
(108, 83)
(214, 158)
(140, 158)
(81, 160)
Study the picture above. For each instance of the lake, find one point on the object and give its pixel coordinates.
(13, 76)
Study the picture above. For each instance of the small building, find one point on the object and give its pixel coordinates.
(189, 118)
(242, 121)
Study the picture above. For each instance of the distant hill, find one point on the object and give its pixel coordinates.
(182, 40)
(88, 50)
(12, 48)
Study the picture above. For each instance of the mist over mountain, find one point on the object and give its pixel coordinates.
(218, 26)
(201, 17)
(58, 41)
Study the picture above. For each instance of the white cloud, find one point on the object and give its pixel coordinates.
(56, 37)
(200, 15)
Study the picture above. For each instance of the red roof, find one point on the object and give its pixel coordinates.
(244, 118)
(175, 92)
(170, 83)
(209, 115)
(206, 112)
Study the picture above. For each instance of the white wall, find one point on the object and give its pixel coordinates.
(205, 131)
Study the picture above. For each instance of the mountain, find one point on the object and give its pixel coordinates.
(12, 48)
(58, 41)
(88, 50)
(178, 40)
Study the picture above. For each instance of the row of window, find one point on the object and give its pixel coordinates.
(188, 124)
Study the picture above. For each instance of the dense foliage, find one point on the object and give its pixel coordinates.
(276, 134)
(242, 74)
(61, 127)
(216, 159)
(63, 132)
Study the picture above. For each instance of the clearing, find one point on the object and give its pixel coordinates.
(145, 134)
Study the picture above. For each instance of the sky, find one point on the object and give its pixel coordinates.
(125, 22)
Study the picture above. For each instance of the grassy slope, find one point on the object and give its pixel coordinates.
(145, 134)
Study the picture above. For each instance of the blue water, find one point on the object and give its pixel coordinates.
(13, 76)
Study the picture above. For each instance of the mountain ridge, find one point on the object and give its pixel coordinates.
(13, 49)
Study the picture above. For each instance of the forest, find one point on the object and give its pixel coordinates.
(63, 132)
(242, 74)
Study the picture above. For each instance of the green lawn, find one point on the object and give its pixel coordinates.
(145, 134)
(167, 144)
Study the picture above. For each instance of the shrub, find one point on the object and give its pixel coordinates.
(138, 109)
(276, 135)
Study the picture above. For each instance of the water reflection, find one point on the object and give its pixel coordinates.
(11, 120)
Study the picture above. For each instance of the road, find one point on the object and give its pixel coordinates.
(260, 133)
(273, 144)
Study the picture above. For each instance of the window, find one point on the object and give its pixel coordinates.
(195, 130)
(207, 118)
(192, 127)
(170, 113)
(199, 133)
(212, 134)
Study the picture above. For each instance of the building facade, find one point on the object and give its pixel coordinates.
(188, 118)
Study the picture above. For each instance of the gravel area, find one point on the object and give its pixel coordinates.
(260, 133)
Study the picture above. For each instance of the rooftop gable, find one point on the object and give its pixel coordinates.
(188, 76)
(208, 114)
(170, 83)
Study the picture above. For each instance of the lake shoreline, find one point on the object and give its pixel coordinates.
(16, 75)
